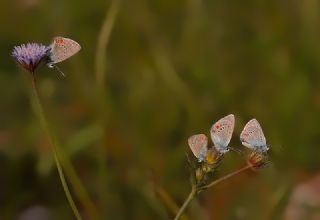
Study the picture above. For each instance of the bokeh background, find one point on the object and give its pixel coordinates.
(149, 75)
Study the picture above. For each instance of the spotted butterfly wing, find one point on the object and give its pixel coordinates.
(61, 49)
(252, 136)
(198, 145)
(221, 133)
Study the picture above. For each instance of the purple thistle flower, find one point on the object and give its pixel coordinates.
(29, 56)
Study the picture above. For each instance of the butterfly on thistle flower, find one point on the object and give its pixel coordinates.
(61, 49)
(30, 55)
(221, 133)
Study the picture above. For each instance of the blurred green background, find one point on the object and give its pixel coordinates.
(131, 99)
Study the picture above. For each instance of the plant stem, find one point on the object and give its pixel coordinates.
(41, 115)
(226, 177)
(103, 41)
(168, 201)
(77, 185)
(196, 189)
(103, 107)
(186, 202)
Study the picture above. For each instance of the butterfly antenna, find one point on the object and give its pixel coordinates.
(266, 165)
(236, 150)
(58, 69)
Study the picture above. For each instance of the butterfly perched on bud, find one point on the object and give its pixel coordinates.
(198, 144)
(253, 138)
(221, 133)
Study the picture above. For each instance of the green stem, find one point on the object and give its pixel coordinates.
(103, 41)
(186, 202)
(77, 185)
(103, 107)
(41, 115)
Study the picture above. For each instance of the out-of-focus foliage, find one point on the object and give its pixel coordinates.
(172, 69)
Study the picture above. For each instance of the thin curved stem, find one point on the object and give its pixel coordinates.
(196, 189)
(186, 202)
(78, 186)
(42, 118)
(215, 182)
(65, 185)
(103, 107)
(103, 41)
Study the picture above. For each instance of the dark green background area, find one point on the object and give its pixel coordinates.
(173, 68)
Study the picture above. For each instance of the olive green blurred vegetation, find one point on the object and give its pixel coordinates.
(172, 68)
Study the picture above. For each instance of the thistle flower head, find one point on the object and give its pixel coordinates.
(30, 55)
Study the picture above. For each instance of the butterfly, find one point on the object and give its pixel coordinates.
(221, 133)
(61, 49)
(198, 144)
(253, 138)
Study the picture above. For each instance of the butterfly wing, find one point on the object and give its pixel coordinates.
(62, 48)
(198, 144)
(221, 133)
(252, 136)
